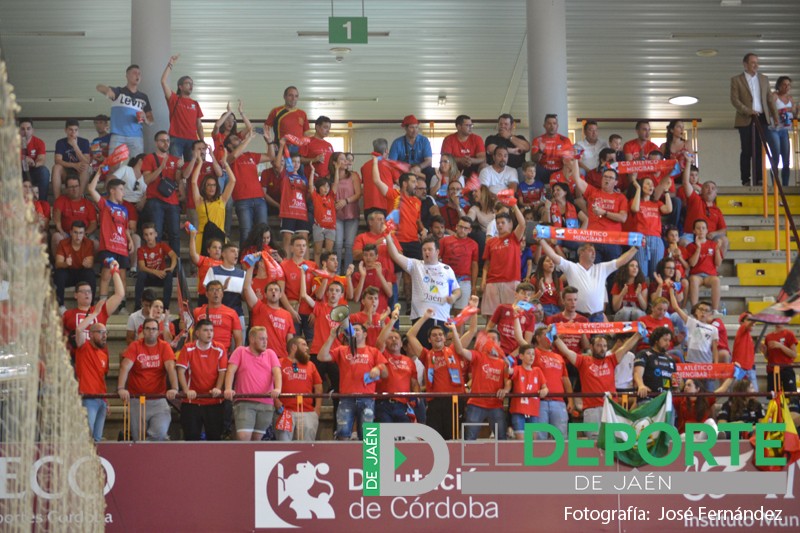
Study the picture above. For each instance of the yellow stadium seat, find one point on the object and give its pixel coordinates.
(735, 204)
(761, 274)
(756, 306)
(754, 239)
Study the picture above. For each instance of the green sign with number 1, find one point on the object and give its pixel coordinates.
(347, 30)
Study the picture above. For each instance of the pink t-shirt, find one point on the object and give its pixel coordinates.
(254, 372)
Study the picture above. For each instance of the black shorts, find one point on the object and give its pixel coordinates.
(123, 260)
(292, 225)
(412, 250)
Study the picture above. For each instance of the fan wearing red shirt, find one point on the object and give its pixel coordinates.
(370, 276)
(704, 259)
(639, 148)
(33, 154)
(83, 297)
(116, 238)
(185, 125)
(552, 409)
(74, 261)
(300, 376)
(156, 263)
(142, 370)
(744, 349)
(576, 343)
(91, 369)
(376, 224)
(369, 315)
(201, 365)
(502, 268)
(506, 315)
(288, 119)
(703, 206)
(646, 212)
(204, 262)
(402, 377)
(248, 195)
(466, 148)
(323, 324)
(296, 267)
(781, 350)
(159, 169)
(550, 149)
(324, 229)
(226, 125)
(227, 325)
(657, 318)
(71, 207)
(491, 374)
(358, 372)
(318, 151)
(530, 380)
(269, 314)
(607, 211)
(374, 200)
(460, 253)
(596, 372)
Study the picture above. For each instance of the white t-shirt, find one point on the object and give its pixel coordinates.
(698, 339)
(135, 321)
(591, 152)
(591, 284)
(135, 188)
(497, 181)
(430, 287)
(623, 373)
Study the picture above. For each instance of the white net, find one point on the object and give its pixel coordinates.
(53, 480)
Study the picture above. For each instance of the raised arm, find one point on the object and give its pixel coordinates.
(247, 287)
(549, 252)
(562, 348)
(627, 256)
(457, 346)
(324, 354)
(674, 303)
(165, 76)
(519, 231)
(218, 124)
(397, 257)
(472, 330)
(637, 197)
(387, 328)
(106, 90)
(248, 127)
(688, 188)
(226, 194)
(376, 178)
(414, 346)
(627, 346)
(91, 187)
(81, 336)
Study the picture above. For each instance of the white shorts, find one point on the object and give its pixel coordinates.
(466, 292)
(496, 294)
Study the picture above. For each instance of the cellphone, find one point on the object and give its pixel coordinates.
(259, 130)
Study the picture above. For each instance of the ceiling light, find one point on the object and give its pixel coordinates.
(730, 3)
(715, 35)
(706, 52)
(340, 52)
(442, 101)
(683, 100)
(324, 99)
(325, 34)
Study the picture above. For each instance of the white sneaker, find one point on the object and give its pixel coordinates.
(61, 310)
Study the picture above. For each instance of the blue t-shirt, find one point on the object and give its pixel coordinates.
(67, 152)
(100, 145)
(402, 150)
(123, 111)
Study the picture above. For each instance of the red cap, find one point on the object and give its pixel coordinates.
(408, 120)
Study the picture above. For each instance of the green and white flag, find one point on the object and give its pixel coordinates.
(658, 409)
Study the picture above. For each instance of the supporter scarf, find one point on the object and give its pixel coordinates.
(462, 317)
(705, 370)
(588, 235)
(594, 328)
(632, 167)
(297, 141)
(506, 197)
(119, 155)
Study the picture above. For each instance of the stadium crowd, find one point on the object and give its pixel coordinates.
(451, 243)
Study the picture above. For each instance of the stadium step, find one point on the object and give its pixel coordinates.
(761, 274)
(741, 204)
(755, 240)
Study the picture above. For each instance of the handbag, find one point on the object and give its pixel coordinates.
(211, 231)
(166, 187)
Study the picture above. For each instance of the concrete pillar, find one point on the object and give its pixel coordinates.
(547, 64)
(151, 48)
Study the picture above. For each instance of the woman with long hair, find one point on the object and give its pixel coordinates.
(666, 276)
(646, 219)
(445, 174)
(696, 409)
(549, 286)
(787, 111)
(741, 408)
(260, 240)
(629, 293)
(209, 201)
(675, 147)
(481, 213)
(348, 192)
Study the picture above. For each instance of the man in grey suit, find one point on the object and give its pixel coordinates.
(750, 95)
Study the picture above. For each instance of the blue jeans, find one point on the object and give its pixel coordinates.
(96, 412)
(675, 218)
(607, 252)
(148, 280)
(649, 255)
(391, 411)
(343, 245)
(135, 144)
(550, 309)
(250, 212)
(518, 422)
(597, 317)
(476, 415)
(166, 217)
(40, 178)
(552, 412)
(779, 145)
(351, 410)
(181, 147)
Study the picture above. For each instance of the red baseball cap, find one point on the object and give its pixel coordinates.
(409, 120)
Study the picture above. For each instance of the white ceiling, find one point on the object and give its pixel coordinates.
(622, 58)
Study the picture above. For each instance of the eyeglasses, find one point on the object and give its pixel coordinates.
(84, 291)
(151, 329)
(461, 226)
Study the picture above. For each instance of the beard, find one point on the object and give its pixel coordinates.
(302, 357)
